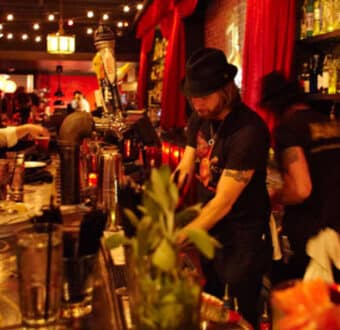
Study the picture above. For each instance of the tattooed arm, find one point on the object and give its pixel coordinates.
(297, 185)
(229, 188)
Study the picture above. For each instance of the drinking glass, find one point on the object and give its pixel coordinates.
(42, 143)
(78, 284)
(39, 261)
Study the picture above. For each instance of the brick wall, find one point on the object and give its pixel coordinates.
(224, 28)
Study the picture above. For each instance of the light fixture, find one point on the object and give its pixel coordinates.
(60, 42)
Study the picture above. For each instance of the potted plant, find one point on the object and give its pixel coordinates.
(163, 294)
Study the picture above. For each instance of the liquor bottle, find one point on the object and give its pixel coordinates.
(314, 69)
(303, 28)
(305, 78)
(309, 18)
(317, 19)
(265, 323)
(332, 76)
(325, 74)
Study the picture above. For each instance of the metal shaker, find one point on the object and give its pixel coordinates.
(110, 176)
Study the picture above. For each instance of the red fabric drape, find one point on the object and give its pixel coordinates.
(169, 15)
(268, 45)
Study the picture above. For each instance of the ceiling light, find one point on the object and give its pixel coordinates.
(37, 39)
(60, 42)
(1, 35)
(90, 14)
(120, 24)
(10, 17)
(24, 36)
(105, 17)
(89, 31)
(10, 36)
(126, 9)
(139, 6)
(51, 17)
(70, 22)
(126, 24)
(36, 26)
(0, 26)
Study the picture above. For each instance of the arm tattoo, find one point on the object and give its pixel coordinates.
(289, 156)
(239, 176)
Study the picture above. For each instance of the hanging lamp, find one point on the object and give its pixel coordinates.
(60, 42)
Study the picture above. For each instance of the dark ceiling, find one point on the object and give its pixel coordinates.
(27, 55)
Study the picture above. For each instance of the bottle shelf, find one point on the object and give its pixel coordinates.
(324, 97)
(325, 37)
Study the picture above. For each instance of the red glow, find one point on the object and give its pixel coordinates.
(93, 179)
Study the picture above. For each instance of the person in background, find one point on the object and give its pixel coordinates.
(307, 144)
(226, 151)
(79, 102)
(10, 135)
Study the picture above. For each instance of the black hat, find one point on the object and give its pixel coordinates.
(206, 71)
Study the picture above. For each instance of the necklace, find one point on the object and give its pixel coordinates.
(213, 136)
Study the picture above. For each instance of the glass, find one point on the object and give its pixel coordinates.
(42, 143)
(39, 261)
(78, 283)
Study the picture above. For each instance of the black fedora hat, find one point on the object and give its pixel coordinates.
(206, 71)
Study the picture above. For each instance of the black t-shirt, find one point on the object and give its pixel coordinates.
(242, 143)
(320, 139)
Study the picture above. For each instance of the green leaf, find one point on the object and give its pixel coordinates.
(115, 241)
(182, 218)
(203, 241)
(164, 256)
(132, 217)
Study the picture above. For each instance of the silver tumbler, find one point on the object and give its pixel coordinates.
(110, 176)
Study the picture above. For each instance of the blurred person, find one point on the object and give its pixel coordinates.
(307, 144)
(227, 150)
(9, 136)
(22, 108)
(79, 102)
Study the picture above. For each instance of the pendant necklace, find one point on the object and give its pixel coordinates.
(213, 136)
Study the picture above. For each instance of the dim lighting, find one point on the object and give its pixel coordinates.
(10, 17)
(70, 22)
(10, 36)
(90, 14)
(139, 6)
(36, 26)
(51, 17)
(37, 39)
(126, 24)
(126, 9)
(89, 31)
(105, 17)
(0, 26)
(120, 24)
(24, 36)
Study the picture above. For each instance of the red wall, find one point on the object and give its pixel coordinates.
(69, 83)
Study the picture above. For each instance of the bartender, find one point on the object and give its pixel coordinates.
(227, 150)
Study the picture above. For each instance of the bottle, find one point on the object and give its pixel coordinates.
(314, 70)
(305, 78)
(303, 28)
(325, 74)
(265, 323)
(17, 183)
(332, 76)
(309, 18)
(317, 19)
(226, 297)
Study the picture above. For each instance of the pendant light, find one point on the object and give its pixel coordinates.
(60, 42)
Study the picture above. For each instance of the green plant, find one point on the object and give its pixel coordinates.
(164, 293)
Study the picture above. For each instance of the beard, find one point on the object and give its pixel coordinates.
(213, 112)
